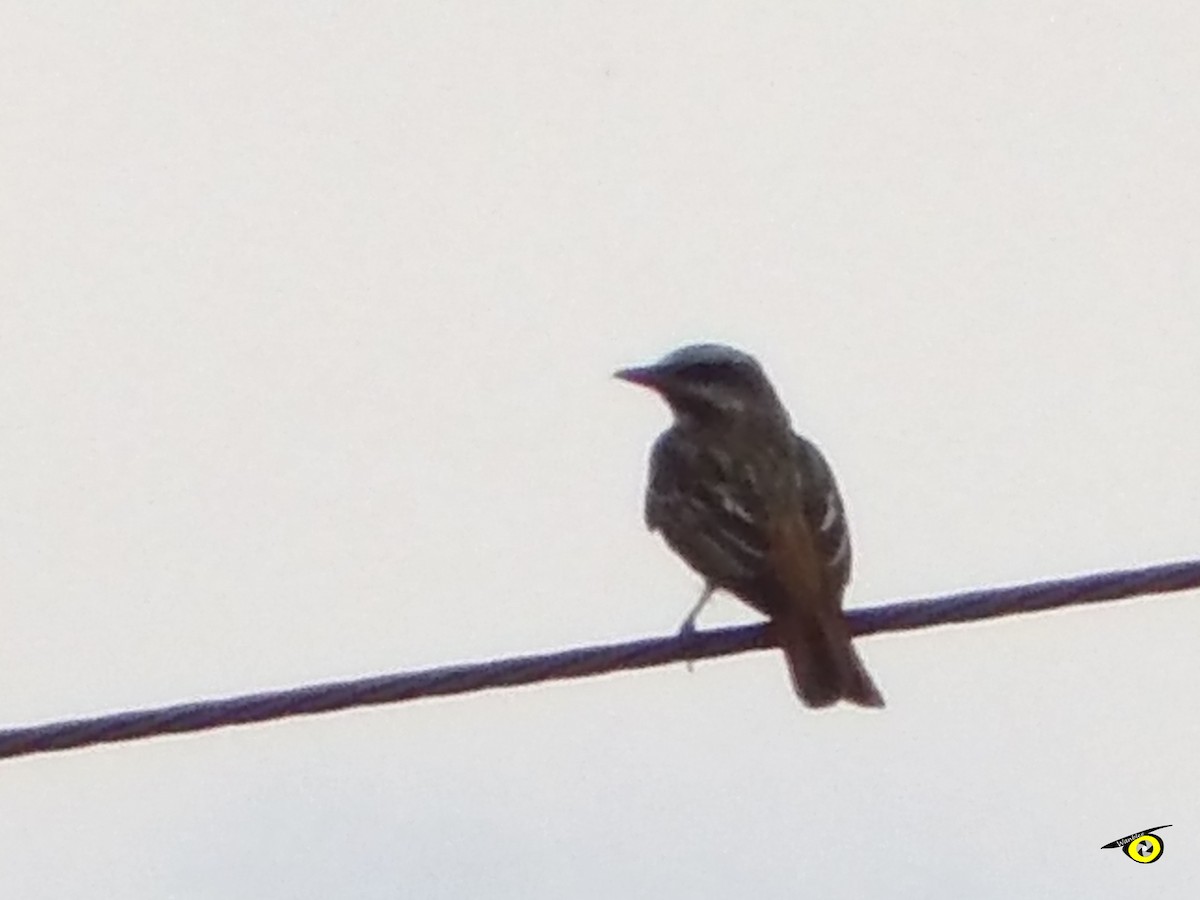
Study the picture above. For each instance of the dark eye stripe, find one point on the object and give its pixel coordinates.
(720, 373)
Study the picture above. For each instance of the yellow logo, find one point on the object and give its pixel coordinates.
(1141, 846)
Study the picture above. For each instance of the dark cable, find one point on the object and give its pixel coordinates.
(585, 661)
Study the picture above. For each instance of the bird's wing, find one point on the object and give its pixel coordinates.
(824, 512)
(708, 508)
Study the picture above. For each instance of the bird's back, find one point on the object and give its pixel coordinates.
(763, 519)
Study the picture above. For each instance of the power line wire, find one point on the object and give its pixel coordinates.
(971, 606)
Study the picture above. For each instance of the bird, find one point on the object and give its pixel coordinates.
(754, 509)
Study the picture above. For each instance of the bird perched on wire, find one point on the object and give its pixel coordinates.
(755, 510)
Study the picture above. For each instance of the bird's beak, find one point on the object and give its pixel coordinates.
(646, 376)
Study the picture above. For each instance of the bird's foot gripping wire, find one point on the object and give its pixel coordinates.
(688, 629)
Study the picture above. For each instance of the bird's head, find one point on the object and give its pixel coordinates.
(711, 383)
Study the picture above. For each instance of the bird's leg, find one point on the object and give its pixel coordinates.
(689, 624)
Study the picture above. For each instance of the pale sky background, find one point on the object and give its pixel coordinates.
(307, 320)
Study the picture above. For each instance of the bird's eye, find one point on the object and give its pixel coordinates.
(699, 372)
(717, 373)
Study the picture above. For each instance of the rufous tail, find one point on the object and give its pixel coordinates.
(825, 666)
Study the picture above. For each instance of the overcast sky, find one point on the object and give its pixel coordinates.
(308, 314)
